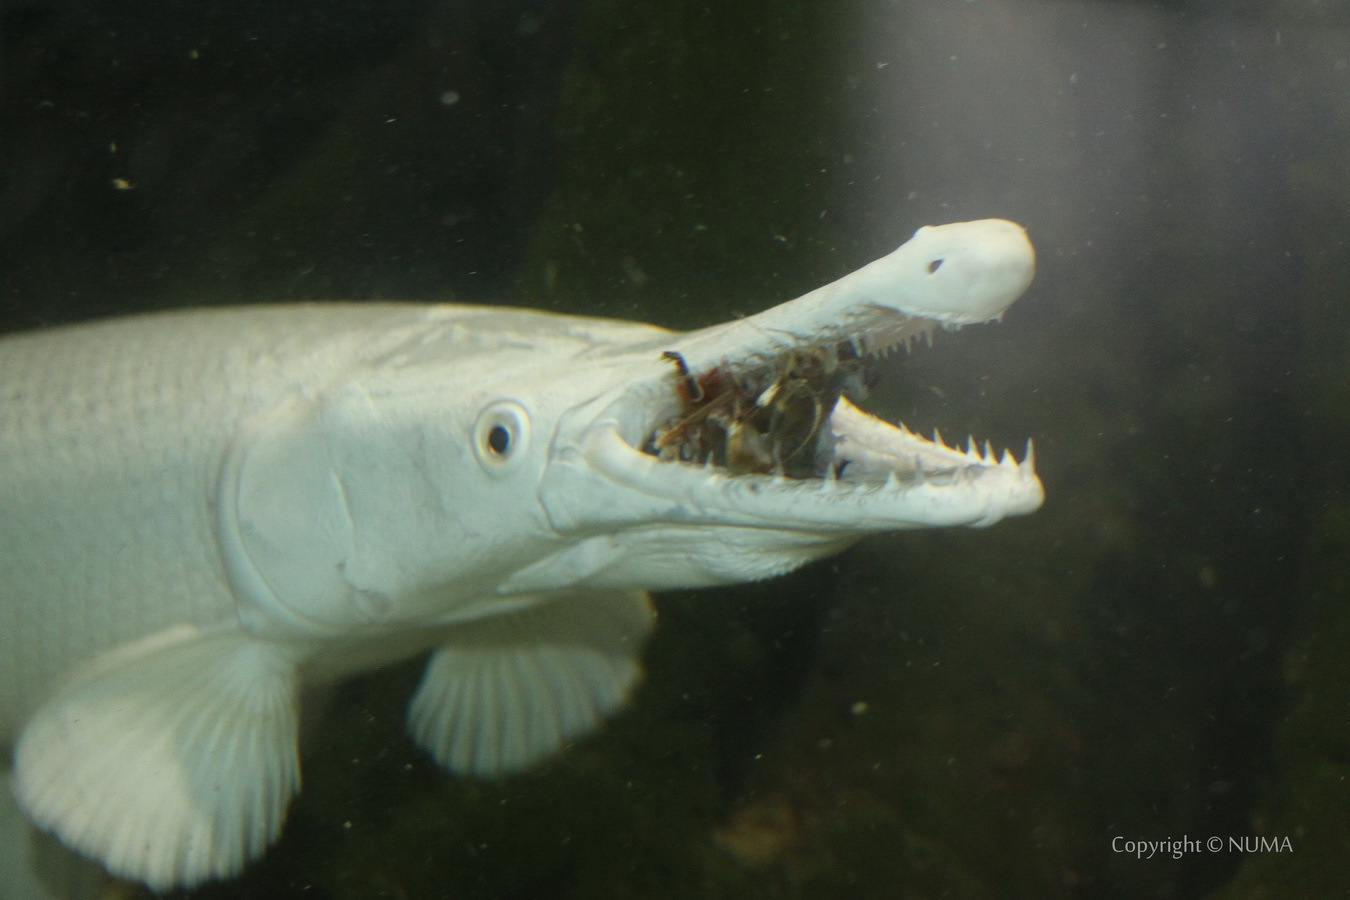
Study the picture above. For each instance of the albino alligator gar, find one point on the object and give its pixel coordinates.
(202, 510)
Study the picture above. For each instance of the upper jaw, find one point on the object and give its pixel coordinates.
(950, 275)
(750, 423)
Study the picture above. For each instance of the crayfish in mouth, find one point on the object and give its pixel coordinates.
(769, 419)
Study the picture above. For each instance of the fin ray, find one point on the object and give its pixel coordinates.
(171, 760)
(504, 692)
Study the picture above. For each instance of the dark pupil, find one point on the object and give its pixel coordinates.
(499, 439)
(934, 266)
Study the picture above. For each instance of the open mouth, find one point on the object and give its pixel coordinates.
(770, 419)
(795, 417)
(755, 421)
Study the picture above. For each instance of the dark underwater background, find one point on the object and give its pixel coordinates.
(1163, 651)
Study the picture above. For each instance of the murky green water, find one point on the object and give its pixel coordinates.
(1157, 653)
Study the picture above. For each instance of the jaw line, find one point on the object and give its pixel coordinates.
(901, 481)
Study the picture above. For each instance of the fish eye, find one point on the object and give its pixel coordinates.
(935, 264)
(501, 436)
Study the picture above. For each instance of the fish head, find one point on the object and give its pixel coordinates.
(735, 453)
(406, 489)
(483, 457)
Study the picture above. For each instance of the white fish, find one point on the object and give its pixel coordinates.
(202, 510)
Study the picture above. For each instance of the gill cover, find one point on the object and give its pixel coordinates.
(285, 528)
(355, 506)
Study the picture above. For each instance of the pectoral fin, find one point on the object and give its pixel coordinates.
(509, 690)
(171, 760)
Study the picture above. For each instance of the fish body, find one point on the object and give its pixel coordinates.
(201, 511)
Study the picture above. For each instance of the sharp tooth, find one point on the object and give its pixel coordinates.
(1028, 464)
(988, 454)
(1007, 459)
(937, 439)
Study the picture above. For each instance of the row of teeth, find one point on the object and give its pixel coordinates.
(982, 455)
(905, 343)
(869, 346)
(976, 456)
(976, 462)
